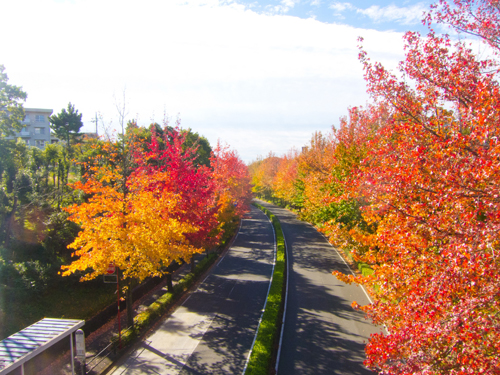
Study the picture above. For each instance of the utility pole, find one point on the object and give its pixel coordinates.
(96, 122)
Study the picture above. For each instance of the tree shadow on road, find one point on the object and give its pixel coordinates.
(323, 333)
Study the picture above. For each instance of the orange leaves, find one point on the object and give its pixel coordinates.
(429, 178)
(263, 173)
(232, 182)
(410, 186)
(286, 176)
(135, 229)
(148, 204)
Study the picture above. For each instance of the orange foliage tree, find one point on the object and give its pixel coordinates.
(263, 173)
(343, 222)
(431, 178)
(410, 186)
(232, 185)
(314, 169)
(121, 225)
(149, 204)
(285, 182)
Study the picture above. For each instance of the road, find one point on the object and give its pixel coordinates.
(212, 332)
(323, 334)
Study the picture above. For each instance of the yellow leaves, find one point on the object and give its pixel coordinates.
(134, 229)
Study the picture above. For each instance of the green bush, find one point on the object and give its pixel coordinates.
(30, 279)
(365, 269)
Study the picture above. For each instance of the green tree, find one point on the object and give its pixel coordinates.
(52, 155)
(16, 185)
(202, 146)
(11, 106)
(67, 125)
(192, 140)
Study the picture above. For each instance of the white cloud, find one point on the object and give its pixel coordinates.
(340, 7)
(226, 69)
(283, 8)
(392, 13)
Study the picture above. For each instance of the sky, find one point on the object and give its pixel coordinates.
(261, 76)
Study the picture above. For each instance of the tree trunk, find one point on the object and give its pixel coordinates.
(59, 173)
(130, 302)
(170, 286)
(22, 218)
(192, 263)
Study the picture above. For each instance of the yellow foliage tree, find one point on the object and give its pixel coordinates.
(135, 231)
(129, 219)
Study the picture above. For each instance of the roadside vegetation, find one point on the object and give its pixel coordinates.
(264, 348)
(407, 187)
(141, 200)
(145, 319)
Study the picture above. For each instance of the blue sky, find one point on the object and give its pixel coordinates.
(260, 76)
(378, 15)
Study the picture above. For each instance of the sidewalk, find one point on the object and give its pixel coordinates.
(212, 330)
(99, 355)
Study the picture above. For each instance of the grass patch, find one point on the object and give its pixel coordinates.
(364, 268)
(63, 300)
(262, 352)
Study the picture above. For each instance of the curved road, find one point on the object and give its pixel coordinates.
(323, 334)
(212, 332)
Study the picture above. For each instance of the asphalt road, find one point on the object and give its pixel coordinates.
(212, 332)
(323, 334)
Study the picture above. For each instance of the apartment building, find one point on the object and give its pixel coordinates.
(36, 130)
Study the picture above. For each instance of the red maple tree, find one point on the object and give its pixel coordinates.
(431, 178)
(193, 184)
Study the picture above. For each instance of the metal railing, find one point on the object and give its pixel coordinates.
(99, 357)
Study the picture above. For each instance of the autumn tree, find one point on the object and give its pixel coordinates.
(286, 182)
(193, 183)
(343, 222)
(232, 185)
(314, 168)
(431, 179)
(409, 185)
(263, 172)
(121, 224)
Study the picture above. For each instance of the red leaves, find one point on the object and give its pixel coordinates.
(423, 166)
(232, 182)
(149, 204)
(431, 177)
(194, 185)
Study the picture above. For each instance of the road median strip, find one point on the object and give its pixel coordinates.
(264, 348)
